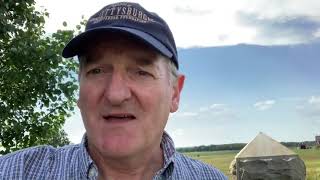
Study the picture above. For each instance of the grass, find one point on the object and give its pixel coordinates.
(311, 158)
(222, 160)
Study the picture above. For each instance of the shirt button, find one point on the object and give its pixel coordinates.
(92, 173)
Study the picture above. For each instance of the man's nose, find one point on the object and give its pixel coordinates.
(117, 90)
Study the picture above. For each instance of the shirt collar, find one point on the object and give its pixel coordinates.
(88, 168)
(90, 171)
(169, 151)
(168, 148)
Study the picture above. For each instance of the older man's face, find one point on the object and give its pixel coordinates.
(126, 96)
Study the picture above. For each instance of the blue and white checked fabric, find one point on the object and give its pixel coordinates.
(73, 162)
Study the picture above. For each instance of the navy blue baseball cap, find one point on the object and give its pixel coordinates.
(129, 18)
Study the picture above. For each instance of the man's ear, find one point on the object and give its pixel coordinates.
(177, 88)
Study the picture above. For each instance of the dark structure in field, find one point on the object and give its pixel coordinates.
(266, 159)
(303, 146)
(317, 140)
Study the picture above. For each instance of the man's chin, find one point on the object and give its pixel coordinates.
(120, 147)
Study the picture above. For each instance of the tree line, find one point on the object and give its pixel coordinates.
(237, 146)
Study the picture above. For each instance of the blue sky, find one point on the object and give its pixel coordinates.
(250, 66)
(232, 93)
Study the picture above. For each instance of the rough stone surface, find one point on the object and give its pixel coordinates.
(273, 168)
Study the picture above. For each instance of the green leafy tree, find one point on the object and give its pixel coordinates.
(37, 86)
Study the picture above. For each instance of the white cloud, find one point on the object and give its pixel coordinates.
(217, 112)
(194, 23)
(198, 23)
(264, 105)
(219, 109)
(212, 113)
(315, 100)
(189, 114)
(214, 109)
(310, 108)
(317, 33)
(292, 99)
(191, 10)
(272, 9)
(184, 114)
(202, 109)
(177, 132)
(217, 106)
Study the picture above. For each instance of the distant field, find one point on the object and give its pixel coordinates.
(222, 160)
(311, 158)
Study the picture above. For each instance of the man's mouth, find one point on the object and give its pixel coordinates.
(119, 117)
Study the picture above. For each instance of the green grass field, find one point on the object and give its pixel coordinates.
(222, 160)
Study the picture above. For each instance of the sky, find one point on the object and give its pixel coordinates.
(250, 66)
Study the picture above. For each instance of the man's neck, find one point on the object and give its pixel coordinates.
(143, 166)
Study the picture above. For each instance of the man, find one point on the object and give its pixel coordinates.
(129, 83)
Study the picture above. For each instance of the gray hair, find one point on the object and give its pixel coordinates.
(173, 70)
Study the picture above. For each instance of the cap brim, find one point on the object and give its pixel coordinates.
(75, 46)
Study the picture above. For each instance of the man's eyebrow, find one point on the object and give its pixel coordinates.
(145, 60)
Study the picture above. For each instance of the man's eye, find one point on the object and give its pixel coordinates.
(140, 75)
(95, 71)
(143, 73)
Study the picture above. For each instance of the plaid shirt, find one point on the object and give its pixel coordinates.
(74, 162)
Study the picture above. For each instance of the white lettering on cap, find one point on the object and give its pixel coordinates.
(122, 11)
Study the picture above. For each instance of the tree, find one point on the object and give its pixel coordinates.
(37, 86)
